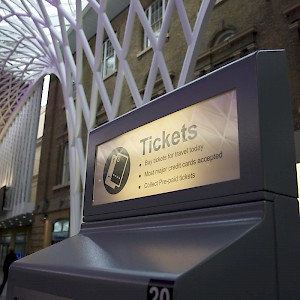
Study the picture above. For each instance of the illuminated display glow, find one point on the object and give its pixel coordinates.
(192, 147)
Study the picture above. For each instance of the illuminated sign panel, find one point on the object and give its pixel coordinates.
(195, 146)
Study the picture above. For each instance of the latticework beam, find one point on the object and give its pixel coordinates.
(35, 44)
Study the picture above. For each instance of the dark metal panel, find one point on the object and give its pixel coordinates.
(265, 163)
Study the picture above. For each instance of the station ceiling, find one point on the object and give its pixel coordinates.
(31, 34)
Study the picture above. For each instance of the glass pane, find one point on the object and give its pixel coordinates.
(110, 64)
(57, 226)
(65, 226)
(108, 58)
(6, 239)
(154, 14)
(20, 237)
(109, 49)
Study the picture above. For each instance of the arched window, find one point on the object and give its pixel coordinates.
(223, 36)
(60, 230)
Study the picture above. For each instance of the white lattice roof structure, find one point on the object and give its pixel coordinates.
(39, 37)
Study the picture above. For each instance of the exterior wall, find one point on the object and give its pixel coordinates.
(263, 25)
(255, 27)
(53, 198)
(271, 22)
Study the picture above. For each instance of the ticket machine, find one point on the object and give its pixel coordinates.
(192, 196)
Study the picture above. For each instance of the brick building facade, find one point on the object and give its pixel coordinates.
(53, 199)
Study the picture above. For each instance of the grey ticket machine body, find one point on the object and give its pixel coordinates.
(192, 196)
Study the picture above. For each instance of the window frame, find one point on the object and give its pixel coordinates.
(62, 223)
(223, 36)
(105, 57)
(57, 236)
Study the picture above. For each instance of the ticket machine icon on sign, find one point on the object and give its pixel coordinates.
(116, 170)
